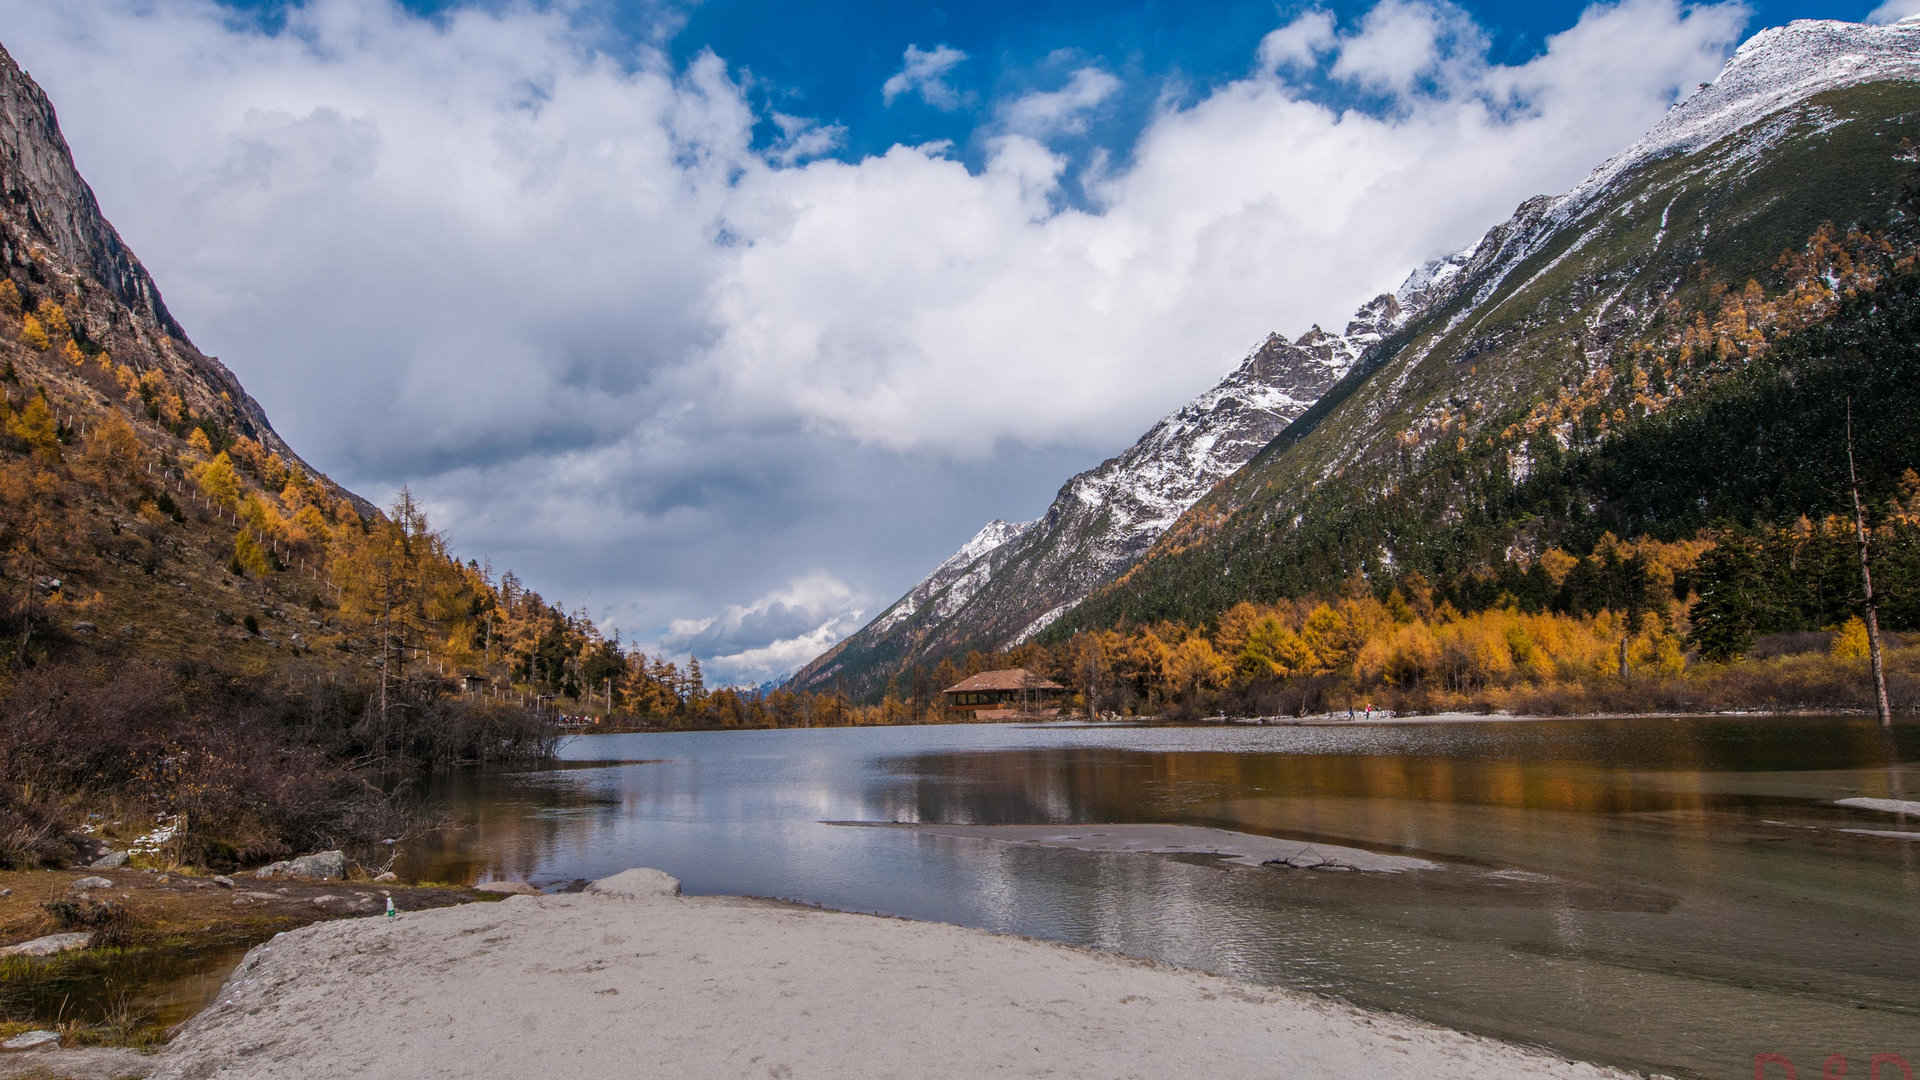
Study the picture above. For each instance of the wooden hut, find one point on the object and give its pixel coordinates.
(1005, 694)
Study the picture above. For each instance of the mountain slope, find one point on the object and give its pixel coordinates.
(1803, 127)
(1010, 582)
(109, 409)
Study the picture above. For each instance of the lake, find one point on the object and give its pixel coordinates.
(1667, 894)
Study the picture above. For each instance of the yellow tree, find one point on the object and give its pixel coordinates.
(34, 425)
(112, 453)
(219, 481)
(1192, 666)
(392, 580)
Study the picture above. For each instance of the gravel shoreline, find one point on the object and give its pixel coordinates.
(630, 980)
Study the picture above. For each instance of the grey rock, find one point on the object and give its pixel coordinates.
(32, 1040)
(112, 860)
(85, 628)
(511, 888)
(640, 883)
(223, 881)
(51, 945)
(86, 883)
(320, 866)
(387, 876)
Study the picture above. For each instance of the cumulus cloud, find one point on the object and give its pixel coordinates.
(1401, 42)
(1063, 111)
(1299, 43)
(924, 72)
(1895, 10)
(547, 276)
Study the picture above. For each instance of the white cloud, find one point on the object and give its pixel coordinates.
(875, 294)
(1895, 10)
(802, 138)
(1063, 111)
(552, 283)
(1401, 42)
(925, 72)
(1298, 44)
(747, 644)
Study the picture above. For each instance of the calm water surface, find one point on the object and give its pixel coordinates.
(1667, 894)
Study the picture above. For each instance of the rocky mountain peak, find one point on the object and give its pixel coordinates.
(43, 190)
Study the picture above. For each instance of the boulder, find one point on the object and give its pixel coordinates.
(511, 888)
(640, 883)
(86, 883)
(223, 881)
(388, 876)
(320, 866)
(51, 945)
(85, 628)
(112, 860)
(32, 1040)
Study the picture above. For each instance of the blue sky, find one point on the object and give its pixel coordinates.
(729, 321)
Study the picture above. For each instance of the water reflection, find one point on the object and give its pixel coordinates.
(1667, 894)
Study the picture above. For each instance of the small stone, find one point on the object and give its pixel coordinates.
(223, 881)
(112, 860)
(162, 879)
(511, 888)
(6, 892)
(84, 628)
(51, 945)
(85, 883)
(388, 876)
(328, 903)
(32, 1040)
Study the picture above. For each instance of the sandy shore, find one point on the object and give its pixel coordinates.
(645, 985)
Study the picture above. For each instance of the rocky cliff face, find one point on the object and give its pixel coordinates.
(56, 244)
(1010, 581)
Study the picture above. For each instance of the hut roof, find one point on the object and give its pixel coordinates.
(1006, 679)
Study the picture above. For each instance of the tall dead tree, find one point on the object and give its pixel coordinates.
(1866, 582)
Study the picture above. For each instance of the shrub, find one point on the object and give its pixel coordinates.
(111, 923)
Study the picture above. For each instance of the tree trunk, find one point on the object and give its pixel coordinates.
(1866, 581)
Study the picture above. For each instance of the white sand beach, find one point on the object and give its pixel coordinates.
(628, 980)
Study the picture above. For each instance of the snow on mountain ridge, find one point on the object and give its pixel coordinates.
(950, 575)
(1769, 72)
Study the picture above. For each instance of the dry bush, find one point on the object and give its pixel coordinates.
(111, 923)
(252, 770)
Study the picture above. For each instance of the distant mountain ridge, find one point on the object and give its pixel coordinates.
(1011, 581)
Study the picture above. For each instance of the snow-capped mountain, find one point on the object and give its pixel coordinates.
(1736, 172)
(1011, 580)
(1804, 127)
